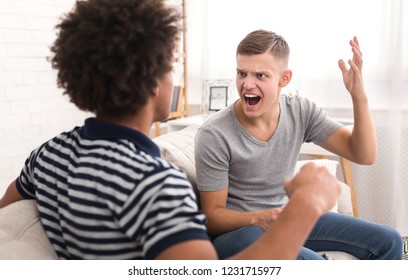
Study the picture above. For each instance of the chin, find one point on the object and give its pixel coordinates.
(251, 110)
(162, 117)
(252, 114)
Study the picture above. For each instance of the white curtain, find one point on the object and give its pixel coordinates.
(318, 32)
(393, 134)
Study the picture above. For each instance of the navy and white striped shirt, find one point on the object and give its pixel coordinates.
(103, 192)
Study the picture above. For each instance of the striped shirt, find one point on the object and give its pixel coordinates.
(103, 192)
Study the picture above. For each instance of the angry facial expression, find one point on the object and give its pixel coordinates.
(259, 81)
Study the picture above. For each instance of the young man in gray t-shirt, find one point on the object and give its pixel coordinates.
(245, 152)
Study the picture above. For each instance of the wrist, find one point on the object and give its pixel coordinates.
(306, 207)
(254, 219)
(360, 98)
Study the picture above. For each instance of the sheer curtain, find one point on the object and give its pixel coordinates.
(383, 188)
(395, 130)
(318, 32)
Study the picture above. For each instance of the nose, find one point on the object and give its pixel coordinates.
(249, 83)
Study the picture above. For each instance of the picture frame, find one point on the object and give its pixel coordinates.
(217, 94)
(218, 98)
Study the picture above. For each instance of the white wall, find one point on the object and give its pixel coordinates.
(32, 108)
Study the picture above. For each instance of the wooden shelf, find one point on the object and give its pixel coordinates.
(179, 106)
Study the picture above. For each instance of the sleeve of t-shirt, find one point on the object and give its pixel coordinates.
(25, 182)
(211, 160)
(162, 211)
(319, 126)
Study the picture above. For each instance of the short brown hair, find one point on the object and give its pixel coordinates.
(261, 41)
(110, 53)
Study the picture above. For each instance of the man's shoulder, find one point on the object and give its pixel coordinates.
(297, 105)
(219, 119)
(295, 100)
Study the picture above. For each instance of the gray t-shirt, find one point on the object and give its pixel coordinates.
(226, 155)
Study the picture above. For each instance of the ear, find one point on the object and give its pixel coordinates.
(155, 91)
(285, 78)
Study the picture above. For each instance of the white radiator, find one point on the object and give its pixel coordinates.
(382, 188)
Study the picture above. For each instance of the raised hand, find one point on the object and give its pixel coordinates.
(352, 77)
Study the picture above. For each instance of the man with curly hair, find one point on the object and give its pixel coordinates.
(102, 190)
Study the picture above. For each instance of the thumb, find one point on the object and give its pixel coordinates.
(287, 186)
(342, 66)
(287, 181)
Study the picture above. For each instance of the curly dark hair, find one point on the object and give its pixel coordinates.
(110, 53)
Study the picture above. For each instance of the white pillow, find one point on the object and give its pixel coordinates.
(21, 233)
(331, 165)
(178, 147)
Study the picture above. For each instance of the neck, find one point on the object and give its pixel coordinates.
(261, 127)
(142, 121)
(267, 119)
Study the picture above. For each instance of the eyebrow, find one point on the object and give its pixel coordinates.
(255, 72)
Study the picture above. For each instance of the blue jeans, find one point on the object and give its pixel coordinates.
(333, 232)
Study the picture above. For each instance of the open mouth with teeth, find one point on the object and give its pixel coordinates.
(251, 99)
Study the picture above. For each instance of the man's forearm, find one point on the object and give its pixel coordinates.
(11, 195)
(222, 220)
(363, 138)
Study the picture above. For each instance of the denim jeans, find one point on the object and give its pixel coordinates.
(333, 232)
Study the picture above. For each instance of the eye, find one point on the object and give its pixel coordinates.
(261, 75)
(241, 73)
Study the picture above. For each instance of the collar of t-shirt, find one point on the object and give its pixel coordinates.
(94, 129)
